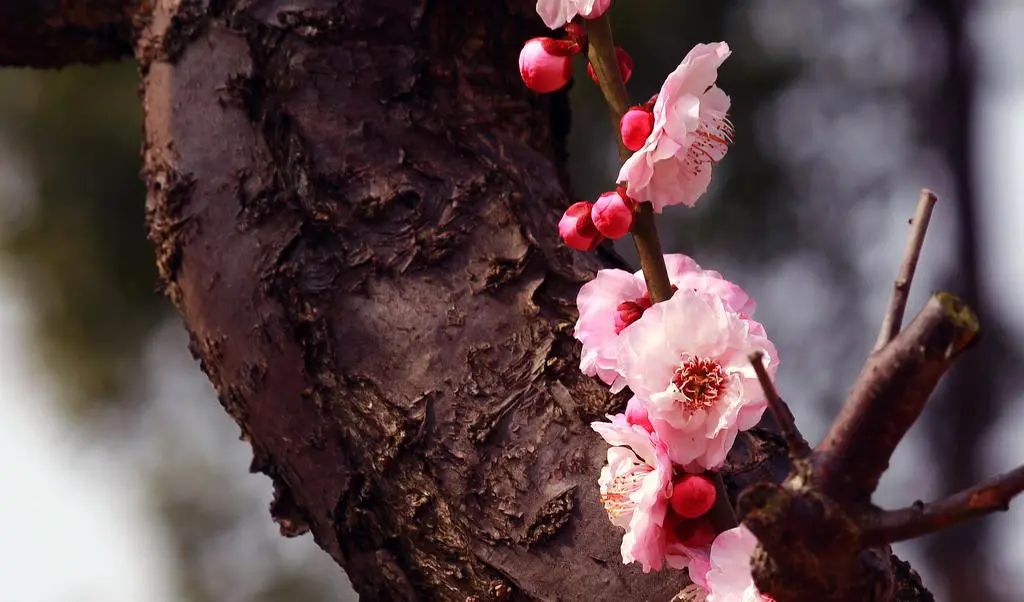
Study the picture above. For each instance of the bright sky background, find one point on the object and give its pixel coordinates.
(75, 528)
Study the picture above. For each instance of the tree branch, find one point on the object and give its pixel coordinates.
(798, 447)
(889, 395)
(921, 519)
(901, 287)
(47, 34)
(602, 57)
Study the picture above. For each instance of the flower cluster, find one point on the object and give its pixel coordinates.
(685, 359)
(678, 135)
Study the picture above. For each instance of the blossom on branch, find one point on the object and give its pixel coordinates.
(687, 359)
(636, 490)
(691, 134)
(556, 13)
(615, 299)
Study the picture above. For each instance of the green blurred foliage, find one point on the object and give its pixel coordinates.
(80, 244)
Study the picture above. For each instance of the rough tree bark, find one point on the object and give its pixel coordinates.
(354, 208)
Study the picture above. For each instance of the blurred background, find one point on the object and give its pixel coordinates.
(123, 480)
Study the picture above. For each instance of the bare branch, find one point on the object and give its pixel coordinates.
(798, 447)
(43, 33)
(901, 287)
(921, 519)
(889, 395)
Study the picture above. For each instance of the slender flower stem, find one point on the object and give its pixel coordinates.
(603, 59)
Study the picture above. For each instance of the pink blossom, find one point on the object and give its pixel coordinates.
(615, 299)
(687, 359)
(545, 64)
(636, 486)
(690, 134)
(556, 13)
(729, 578)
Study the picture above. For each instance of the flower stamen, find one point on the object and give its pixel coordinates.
(699, 383)
(616, 499)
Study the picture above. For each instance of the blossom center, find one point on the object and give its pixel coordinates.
(617, 499)
(700, 382)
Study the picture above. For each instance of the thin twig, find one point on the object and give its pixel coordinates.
(921, 519)
(901, 287)
(798, 447)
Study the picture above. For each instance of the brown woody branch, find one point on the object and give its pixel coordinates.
(921, 519)
(602, 56)
(798, 447)
(901, 287)
(49, 33)
(890, 393)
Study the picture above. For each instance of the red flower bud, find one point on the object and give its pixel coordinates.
(577, 228)
(692, 496)
(545, 64)
(613, 214)
(636, 125)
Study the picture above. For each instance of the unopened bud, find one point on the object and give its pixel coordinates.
(636, 125)
(577, 228)
(613, 214)
(693, 496)
(545, 64)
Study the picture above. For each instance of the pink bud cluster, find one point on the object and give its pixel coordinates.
(584, 225)
(545, 64)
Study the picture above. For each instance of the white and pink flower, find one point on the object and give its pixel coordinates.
(688, 360)
(690, 134)
(556, 13)
(729, 577)
(636, 489)
(615, 299)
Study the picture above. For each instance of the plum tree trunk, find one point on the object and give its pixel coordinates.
(354, 209)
